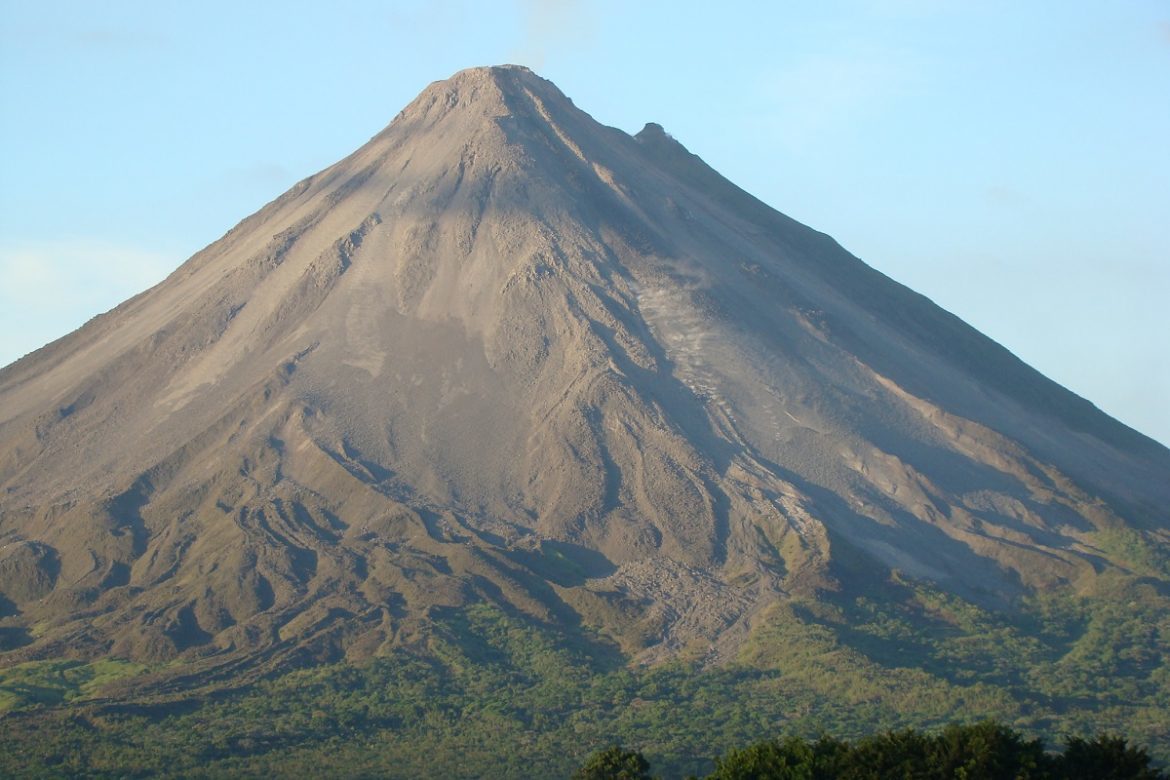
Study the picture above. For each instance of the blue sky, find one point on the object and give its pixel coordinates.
(1009, 160)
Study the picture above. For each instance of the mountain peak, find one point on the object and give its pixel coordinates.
(652, 131)
(492, 90)
(503, 347)
(492, 71)
(504, 78)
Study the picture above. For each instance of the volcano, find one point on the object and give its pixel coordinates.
(505, 354)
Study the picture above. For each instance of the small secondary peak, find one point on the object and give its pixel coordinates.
(652, 130)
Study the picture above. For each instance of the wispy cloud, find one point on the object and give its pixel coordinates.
(114, 39)
(48, 289)
(909, 8)
(79, 36)
(262, 174)
(1006, 196)
(551, 25)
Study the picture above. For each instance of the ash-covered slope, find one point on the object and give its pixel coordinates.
(503, 352)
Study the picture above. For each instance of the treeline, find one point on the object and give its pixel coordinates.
(496, 695)
(984, 751)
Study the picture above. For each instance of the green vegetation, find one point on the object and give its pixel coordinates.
(614, 763)
(982, 751)
(57, 682)
(496, 694)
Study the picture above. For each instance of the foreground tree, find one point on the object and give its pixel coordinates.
(987, 749)
(1105, 757)
(614, 763)
(791, 759)
(982, 751)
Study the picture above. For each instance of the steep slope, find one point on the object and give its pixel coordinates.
(503, 353)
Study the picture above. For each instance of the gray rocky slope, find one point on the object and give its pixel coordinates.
(505, 353)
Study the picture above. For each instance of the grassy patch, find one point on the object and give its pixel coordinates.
(59, 681)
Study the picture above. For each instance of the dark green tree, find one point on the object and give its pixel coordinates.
(892, 754)
(986, 750)
(831, 758)
(788, 759)
(614, 763)
(1105, 757)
